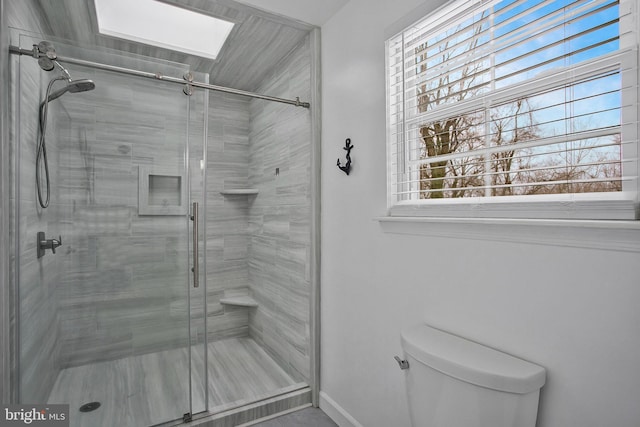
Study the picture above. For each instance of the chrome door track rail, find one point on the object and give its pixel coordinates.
(186, 80)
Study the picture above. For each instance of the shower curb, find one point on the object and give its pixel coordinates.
(255, 411)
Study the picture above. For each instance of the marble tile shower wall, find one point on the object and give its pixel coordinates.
(39, 313)
(39, 310)
(227, 216)
(197, 121)
(124, 289)
(280, 217)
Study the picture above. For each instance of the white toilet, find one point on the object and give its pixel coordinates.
(454, 382)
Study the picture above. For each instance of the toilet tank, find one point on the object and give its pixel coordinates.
(454, 382)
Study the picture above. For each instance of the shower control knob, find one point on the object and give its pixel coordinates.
(55, 243)
(44, 243)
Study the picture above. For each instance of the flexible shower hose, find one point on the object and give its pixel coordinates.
(41, 155)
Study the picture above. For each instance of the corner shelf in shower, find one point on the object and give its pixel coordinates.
(240, 192)
(239, 301)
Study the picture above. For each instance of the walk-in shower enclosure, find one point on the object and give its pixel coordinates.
(185, 284)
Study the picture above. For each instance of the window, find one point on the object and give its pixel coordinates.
(515, 108)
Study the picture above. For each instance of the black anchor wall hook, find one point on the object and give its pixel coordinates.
(347, 147)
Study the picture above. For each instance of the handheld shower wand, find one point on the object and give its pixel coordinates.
(48, 63)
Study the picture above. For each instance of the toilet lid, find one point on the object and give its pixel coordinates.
(471, 362)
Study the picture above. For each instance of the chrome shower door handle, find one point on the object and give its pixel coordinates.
(195, 268)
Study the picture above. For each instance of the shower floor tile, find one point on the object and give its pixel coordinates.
(154, 388)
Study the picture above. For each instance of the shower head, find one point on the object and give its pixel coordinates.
(80, 85)
(73, 86)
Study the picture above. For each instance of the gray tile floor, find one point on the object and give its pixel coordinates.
(308, 417)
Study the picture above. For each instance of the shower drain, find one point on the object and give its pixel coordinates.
(88, 407)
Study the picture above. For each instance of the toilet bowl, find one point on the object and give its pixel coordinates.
(454, 382)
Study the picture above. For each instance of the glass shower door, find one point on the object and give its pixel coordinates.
(108, 323)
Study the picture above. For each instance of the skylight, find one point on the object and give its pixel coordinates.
(163, 25)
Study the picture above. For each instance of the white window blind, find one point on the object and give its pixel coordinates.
(515, 101)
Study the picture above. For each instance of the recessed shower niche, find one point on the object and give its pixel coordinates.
(161, 192)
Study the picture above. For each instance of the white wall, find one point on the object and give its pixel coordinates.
(570, 306)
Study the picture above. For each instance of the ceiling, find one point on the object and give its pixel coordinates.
(311, 11)
(258, 41)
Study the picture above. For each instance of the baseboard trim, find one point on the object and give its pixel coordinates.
(336, 412)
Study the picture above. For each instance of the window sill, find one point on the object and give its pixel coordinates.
(592, 234)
